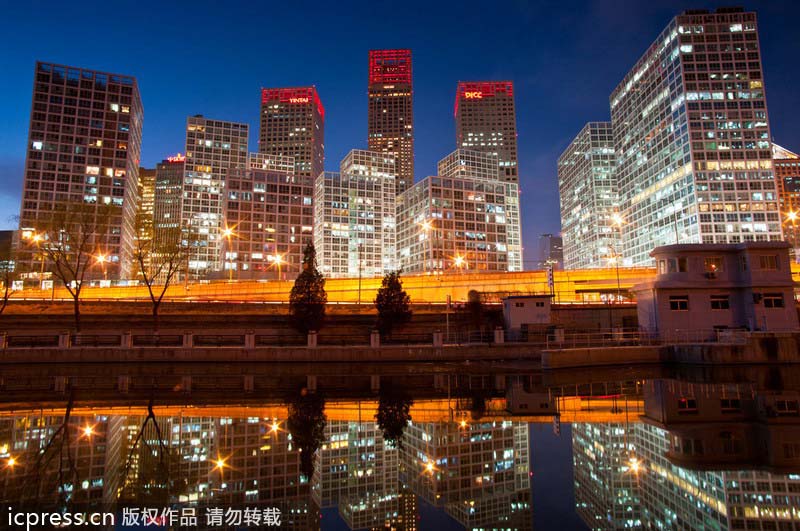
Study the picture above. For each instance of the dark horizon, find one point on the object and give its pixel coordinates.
(564, 64)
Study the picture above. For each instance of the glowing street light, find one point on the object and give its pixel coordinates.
(103, 259)
(11, 462)
(427, 226)
(791, 216)
(278, 261)
(634, 465)
(429, 468)
(276, 426)
(459, 262)
(617, 220)
(228, 233)
(88, 431)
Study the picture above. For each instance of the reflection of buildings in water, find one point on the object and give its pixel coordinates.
(479, 472)
(357, 471)
(80, 463)
(606, 494)
(692, 437)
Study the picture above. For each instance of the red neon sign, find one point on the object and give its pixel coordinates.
(176, 158)
(294, 96)
(479, 90)
(390, 66)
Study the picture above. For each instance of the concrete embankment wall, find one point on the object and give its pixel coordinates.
(354, 354)
(761, 347)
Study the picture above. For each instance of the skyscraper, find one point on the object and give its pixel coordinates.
(587, 188)
(293, 125)
(168, 196)
(486, 121)
(551, 251)
(354, 216)
(83, 149)
(692, 138)
(464, 219)
(391, 110)
(213, 148)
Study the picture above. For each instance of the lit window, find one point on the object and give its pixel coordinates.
(38, 145)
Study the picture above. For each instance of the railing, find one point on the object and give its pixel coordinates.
(559, 338)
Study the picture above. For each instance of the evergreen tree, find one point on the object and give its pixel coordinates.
(394, 414)
(392, 303)
(308, 298)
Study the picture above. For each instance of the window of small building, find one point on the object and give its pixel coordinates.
(712, 264)
(687, 405)
(731, 405)
(679, 303)
(540, 304)
(720, 302)
(519, 304)
(773, 300)
(768, 262)
(743, 263)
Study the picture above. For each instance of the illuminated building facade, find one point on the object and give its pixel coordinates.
(293, 125)
(168, 195)
(486, 121)
(465, 219)
(694, 161)
(787, 174)
(390, 115)
(551, 251)
(589, 201)
(354, 216)
(269, 213)
(606, 491)
(213, 148)
(441, 464)
(84, 145)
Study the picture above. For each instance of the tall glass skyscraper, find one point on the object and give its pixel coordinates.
(692, 138)
(587, 188)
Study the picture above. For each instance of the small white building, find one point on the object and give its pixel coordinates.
(706, 287)
(521, 311)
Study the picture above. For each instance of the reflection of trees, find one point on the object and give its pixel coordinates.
(306, 424)
(394, 414)
(151, 482)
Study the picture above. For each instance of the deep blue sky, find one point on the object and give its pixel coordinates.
(211, 58)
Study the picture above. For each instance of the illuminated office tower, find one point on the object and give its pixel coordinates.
(465, 219)
(83, 151)
(354, 216)
(589, 201)
(213, 148)
(269, 214)
(692, 138)
(391, 110)
(486, 121)
(293, 125)
(357, 471)
(168, 196)
(477, 471)
(787, 175)
(551, 251)
(606, 490)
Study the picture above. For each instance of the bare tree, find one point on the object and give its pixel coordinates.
(160, 257)
(73, 237)
(8, 270)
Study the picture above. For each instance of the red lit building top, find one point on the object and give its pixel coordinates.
(390, 66)
(478, 90)
(298, 96)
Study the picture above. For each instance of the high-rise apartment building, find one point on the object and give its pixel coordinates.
(354, 216)
(787, 175)
(692, 138)
(486, 121)
(83, 151)
(587, 189)
(147, 194)
(213, 148)
(465, 219)
(391, 110)
(168, 196)
(270, 216)
(293, 125)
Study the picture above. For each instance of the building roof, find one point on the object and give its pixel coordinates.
(779, 152)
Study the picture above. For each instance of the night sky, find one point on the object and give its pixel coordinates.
(211, 58)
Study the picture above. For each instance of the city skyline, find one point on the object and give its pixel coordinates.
(340, 76)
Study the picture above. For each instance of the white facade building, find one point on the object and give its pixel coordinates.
(587, 188)
(354, 216)
(465, 219)
(692, 138)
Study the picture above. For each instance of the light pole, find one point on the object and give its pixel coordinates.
(277, 261)
(614, 259)
(427, 226)
(359, 274)
(102, 259)
(460, 262)
(791, 216)
(228, 233)
(617, 221)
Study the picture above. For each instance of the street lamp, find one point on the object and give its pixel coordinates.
(427, 226)
(791, 216)
(278, 261)
(228, 234)
(614, 259)
(460, 262)
(102, 259)
(617, 221)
